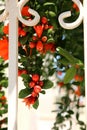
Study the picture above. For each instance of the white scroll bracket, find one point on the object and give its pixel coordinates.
(67, 14)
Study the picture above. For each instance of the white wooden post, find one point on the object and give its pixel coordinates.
(13, 66)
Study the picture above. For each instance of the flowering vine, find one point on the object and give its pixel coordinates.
(36, 45)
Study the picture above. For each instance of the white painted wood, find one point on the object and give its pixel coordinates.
(5, 13)
(32, 22)
(85, 51)
(13, 66)
(68, 14)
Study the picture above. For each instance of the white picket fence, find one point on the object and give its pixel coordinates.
(13, 12)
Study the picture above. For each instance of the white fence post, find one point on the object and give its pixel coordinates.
(13, 66)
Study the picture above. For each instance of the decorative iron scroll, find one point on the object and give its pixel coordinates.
(18, 8)
(68, 14)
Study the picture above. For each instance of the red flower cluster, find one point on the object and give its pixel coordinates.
(78, 78)
(29, 100)
(75, 7)
(22, 71)
(4, 48)
(25, 11)
(21, 32)
(36, 84)
(3, 100)
(60, 84)
(40, 41)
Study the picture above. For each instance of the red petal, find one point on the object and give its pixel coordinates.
(39, 30)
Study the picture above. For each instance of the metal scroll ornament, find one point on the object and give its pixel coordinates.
(18, 8)
(68, 14)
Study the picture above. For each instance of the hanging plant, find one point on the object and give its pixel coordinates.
(46, 49)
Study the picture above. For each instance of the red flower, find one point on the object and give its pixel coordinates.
(46, 27)
(20, 72)
(32, 44)
(81, 78)
(35, 77)
(37, 88)
(4, 48)
(6, 29)
(60, 84)
(49, 47)
(44, 38)
(3, 98)
(39, 46)
(77, 91)
(39, 30)
(34, 38)
(44, 20)
(25, 11)
(41, 83)
(31, 84)
(29, 100)
(21, 32)
(75, 7)
(34, 94)
(19, 44)
(78, 77)
(50, 26)
(59, 73)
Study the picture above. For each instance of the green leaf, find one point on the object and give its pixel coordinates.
(67, 116)
(43, 92)
(23, 40)
(70, 112)
(63, 61)
(67, 55)
(25, 77)
(50, 40)
(36, 104)
(4, 83)
(48, 3)
(81, 122)
(24, 92)
(1, 94)
(0, 105)
(47, 84)
(69, 75)
(1, 60)
(77, 116)
(52, 14)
